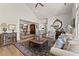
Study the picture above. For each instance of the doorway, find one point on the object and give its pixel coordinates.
(32, 29)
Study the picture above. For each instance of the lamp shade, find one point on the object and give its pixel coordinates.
(3, 25)
(12, 27)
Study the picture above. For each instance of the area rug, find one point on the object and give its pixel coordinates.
(30, 51)
(23, 50)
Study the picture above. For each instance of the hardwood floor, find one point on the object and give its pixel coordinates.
(10, 50)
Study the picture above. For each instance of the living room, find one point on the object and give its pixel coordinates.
(35, 28)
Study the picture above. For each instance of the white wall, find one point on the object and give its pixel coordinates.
(66, 20)
(11, 13)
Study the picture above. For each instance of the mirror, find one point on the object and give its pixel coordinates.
(57, 24)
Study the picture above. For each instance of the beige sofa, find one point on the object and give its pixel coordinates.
(60, 52)
(63, 52)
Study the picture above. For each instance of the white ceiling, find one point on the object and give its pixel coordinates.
(50, 9)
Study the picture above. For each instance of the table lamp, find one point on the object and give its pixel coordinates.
(12, 27)
(4, 27)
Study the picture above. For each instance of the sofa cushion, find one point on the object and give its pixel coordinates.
(60, 41)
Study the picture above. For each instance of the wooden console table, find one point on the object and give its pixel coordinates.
(7, 38)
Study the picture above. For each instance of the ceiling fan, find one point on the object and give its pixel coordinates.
(65, 4)
(39, 4)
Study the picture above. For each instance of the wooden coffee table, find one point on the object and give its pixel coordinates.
(38, 43)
